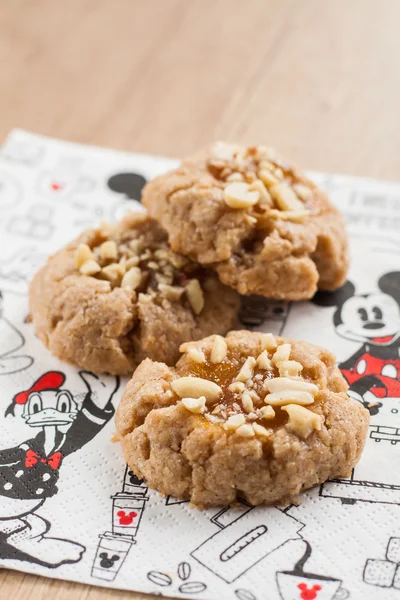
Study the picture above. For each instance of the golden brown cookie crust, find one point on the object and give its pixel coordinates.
(285, 245)
(108, 321)
(231, 450)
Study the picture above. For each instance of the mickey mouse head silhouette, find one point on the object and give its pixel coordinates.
(107, 561)
(133, 479)
(307, 593)
(374, 320)
(126, 519)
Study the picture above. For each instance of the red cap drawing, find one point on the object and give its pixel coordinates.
(52, 380)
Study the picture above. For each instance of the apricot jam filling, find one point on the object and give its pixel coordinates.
(252, 394)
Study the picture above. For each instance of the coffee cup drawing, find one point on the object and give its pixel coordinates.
(133, 485)
(127, 513)
(111, 553)
(302, 585)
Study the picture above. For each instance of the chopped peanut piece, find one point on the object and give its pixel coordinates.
(250, 220)
(195, 296)
(108, 250)
(263, 361)
(246, 372)
(90, 267)
(194, 387)
(135, 246)
(252, 416)
(260, 430)
(196, 355)
(153, 265)
(297, 216)
(238, 195)
(250, 177)
(247, 402)
(219, 350)
(171, 292)
(282, 353)
(254, 396)
(280, 384)
(289, 368)
(245, 431)
(113, 272)
(106, 228)
(289, 397)
(234, 422)
(133, 261)
(122, 264)
(211, 418)
(195, 405)
(266, 153)
(177, 260)
(267, 178)
(302, 421)
(132, 279)
(265, 196)
(269, 341)
(303, 192)
(267, 412)
(285, 197)
(235, 177)
(237, 387)
(83, 254)
(223, 150)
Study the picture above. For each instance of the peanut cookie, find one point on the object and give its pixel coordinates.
(118, 294)
(258, 221)
(247, 416)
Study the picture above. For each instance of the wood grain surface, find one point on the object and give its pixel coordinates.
(319, 80)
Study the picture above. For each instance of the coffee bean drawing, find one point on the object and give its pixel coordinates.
(245, 594)
(184, 571)
(161, 579)
(192, 587)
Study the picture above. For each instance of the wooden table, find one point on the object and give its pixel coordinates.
(319, 80)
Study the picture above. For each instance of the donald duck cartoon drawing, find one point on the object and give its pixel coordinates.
(29, 472)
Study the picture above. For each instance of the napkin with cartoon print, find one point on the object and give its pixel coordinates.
(69, 507)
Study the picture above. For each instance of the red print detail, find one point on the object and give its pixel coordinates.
(126, 519)
(374, 366)
(49, 381)
(56, 186)
(32, 458)
(308, 593)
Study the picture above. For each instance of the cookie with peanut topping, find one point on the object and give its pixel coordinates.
(118, 294)
(248, 416)
(258, 221)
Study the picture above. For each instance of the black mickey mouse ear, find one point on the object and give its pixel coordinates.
(336, 298)
(390, 284)
(128, 184)
(115, 557)
(103, 555)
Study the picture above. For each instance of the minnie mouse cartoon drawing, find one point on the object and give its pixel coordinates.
(373, 375)
(30, 471)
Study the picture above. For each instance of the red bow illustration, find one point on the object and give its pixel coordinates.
(32, 458)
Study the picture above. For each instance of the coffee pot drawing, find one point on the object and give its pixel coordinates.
(301, 585)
